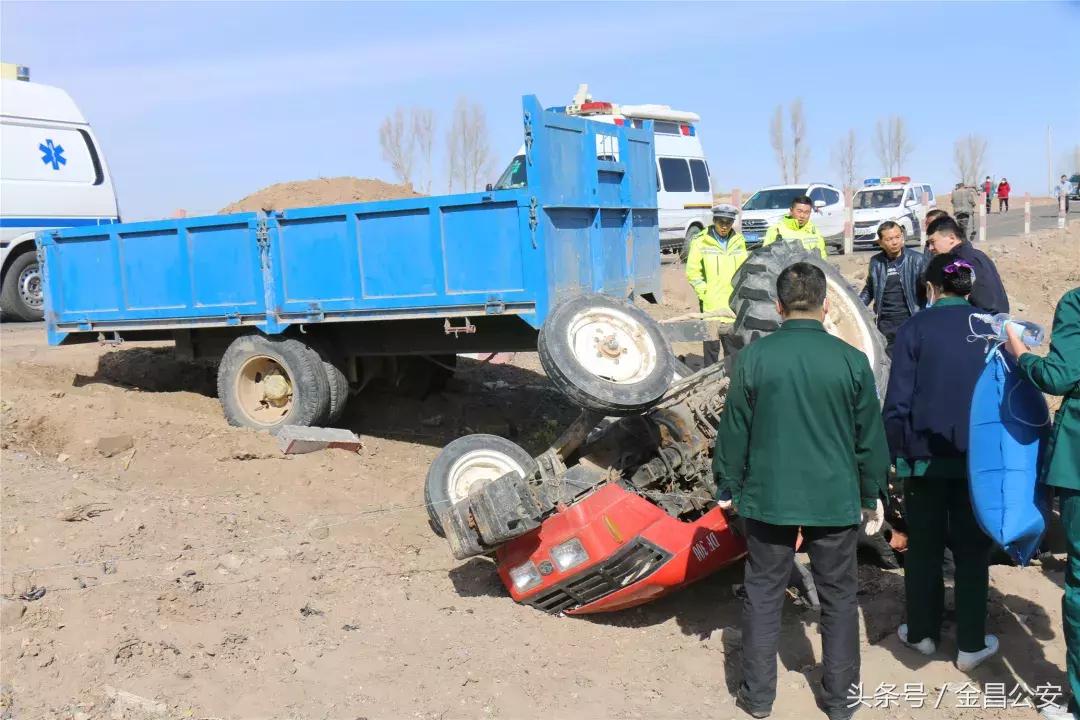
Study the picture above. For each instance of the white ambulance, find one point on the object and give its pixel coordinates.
(52, 175)
(684, 187)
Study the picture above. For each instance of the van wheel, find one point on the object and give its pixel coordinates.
(270, 382)
(691, 232)
(21, 297)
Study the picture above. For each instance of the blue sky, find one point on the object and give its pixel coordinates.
(199, 104)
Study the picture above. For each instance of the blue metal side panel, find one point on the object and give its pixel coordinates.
(569, 261)
(86, 279)
(399, 255)
(646, 265)
(147, 263)
(171, 270)
(224, 261)
(613, 254)
(482, 246)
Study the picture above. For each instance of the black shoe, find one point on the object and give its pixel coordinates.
(740, 702)
(844, 713)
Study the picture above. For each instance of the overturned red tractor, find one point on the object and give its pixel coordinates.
(621, 509)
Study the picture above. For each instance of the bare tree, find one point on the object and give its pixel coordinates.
(468, 152)
(800, 150)
(776, 139)
(846, 158)
(894, 147)
(423, 128)
(969, 156)
(398, 145)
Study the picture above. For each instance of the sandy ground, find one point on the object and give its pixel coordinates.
(201, 574)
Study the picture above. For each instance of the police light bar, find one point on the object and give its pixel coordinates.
(591, 108)
(885, 180)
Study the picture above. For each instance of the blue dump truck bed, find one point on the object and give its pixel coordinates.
(581, 225)
(428, 276)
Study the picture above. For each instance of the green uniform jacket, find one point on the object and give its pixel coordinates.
(801, 440)
(1059, 374)
(788, 229)
(710, 265)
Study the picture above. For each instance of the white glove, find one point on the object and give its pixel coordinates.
(873, 519)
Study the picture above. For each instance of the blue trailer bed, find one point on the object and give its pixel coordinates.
(446, 274)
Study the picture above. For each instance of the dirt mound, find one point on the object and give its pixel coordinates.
(320, 191)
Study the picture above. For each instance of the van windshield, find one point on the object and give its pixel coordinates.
(779, 199)
(867, 199)
(514, 176)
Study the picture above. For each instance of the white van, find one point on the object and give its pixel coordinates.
(52, 175)
(684, 188)
(892, 198)
(765, 208)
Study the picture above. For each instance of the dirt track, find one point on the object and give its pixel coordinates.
(221, 579)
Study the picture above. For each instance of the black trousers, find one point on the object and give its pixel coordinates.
(966, 226)
(1003, 203)
(768, 569)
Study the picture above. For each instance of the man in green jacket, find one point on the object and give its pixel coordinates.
(715, 254)
(797, 225)
(1059, 374)
(801, 444)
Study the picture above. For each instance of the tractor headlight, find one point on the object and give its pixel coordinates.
(569, 554)
(525, 576)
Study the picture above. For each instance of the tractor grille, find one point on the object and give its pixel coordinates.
(634, 562)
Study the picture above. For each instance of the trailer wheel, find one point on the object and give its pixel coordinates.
(753, 299)
(465, 463)
(606, 355)
(339, 391)
(21, 297)
(443, 370)
(267, 383)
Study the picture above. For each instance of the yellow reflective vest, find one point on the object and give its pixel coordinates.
(788, 229)
(710, 266)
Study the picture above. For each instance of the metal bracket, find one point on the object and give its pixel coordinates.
(450, 329)
(534, 220)
(115, 341)
(528, 137)
(494, 307)
(262, 238)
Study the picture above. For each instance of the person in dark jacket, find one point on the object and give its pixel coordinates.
(801, 444)
(1059, 374)
(945, 236)
(892, 281)
(934, 371)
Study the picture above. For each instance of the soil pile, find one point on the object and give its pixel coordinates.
(320, 191)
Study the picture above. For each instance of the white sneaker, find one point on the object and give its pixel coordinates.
(966, 661)
(926, 646)
(1056, 712)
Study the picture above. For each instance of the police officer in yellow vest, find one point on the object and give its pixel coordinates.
(715, 254)
(796, 225)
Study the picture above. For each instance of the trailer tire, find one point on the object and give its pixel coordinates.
(269, 382)
(20, 297)
(465, 462)
(753, 300)
(443, 369)
(338, 383)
